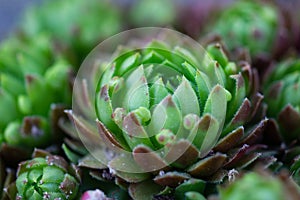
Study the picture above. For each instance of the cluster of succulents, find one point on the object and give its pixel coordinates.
(157, 117)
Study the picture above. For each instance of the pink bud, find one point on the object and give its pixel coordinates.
(94, 195)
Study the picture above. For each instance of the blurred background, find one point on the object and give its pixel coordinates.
(161, 13)
(11, 12)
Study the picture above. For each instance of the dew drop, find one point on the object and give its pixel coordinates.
(161, 173)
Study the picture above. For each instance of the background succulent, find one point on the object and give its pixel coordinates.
(282, 96)
(255, 25)
(261, 185)
(47, 177)
(134, 99)
(34, 80)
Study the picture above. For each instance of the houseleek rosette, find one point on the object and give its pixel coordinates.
(47, 177)
(167, 108)
(34, 81)
(248, 24)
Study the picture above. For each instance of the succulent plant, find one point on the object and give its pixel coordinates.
(167, 126)
(254, 25)
(281, 89)
(261, 186)
(35, 87)
(47, 176)
(79, 25)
